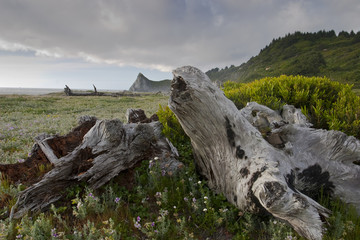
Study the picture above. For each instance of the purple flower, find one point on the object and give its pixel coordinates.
(21, 160)
(194, 200)
(91, 195)
(186, 199)
(138, 219)
(163, 172)
(19, 236)
(53, 232)
(153, 224)
(117, 200)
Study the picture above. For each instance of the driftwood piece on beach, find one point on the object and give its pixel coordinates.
(95, 152)
(278, 174)
(69, 92)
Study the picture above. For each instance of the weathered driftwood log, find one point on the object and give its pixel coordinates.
(69, 92)
(94, 152)
(278, 175)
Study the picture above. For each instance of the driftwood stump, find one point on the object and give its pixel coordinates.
(95, 152)
(278, 174)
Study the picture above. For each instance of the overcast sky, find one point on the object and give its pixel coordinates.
(50, 43)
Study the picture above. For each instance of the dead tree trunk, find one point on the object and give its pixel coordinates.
(67, 91)
(94, 152)
(279, 174)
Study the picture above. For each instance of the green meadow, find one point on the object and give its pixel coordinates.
(153, 206)
(24, 117)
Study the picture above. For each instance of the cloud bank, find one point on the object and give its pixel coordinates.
(164, 34)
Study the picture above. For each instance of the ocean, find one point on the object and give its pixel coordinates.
(29, 91)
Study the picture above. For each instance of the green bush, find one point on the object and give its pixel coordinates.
(327, 104)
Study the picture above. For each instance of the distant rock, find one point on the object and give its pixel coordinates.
(143, 84)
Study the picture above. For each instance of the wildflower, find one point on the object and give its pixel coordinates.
(199, 182)
(174, 207)
(178, 220)
(223, 210)
(91, 195)
(29, 154)
(153, 224)
(158, 194)
(190, 179)
(156, 158)
(79, 205)
(205, 197)
(21, 160)
(186, 199)
(138, 219)
(117, 200)
(194, 200)
(151, 163)
(205, 209)
(53, 232)
(158, 203)
(164, 212)
(137, 225)
(19, 236)
(156, 231)
(163, 172)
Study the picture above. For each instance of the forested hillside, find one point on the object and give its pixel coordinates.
(310, 54)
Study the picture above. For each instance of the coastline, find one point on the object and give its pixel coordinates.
(28, 91)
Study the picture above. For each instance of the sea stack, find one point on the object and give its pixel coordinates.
(143, 84)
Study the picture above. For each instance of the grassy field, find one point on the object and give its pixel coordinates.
(24, 117)
(157, 206)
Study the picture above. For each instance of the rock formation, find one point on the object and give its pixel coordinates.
(143, 84)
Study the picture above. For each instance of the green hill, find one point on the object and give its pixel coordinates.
(310, 54)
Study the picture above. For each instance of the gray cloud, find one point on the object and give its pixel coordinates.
(164, 34)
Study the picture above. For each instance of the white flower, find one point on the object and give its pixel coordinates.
(205, 209)
(205, 197)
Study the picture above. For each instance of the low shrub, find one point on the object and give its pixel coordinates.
(327, 104)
